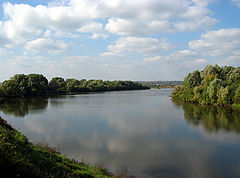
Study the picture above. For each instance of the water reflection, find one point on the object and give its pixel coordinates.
(213, 119)
(139, 130)
(23, 107)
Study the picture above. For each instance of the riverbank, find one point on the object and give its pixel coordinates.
(204, 103)
(20, 158)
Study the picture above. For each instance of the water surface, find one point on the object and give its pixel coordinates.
(142, 131)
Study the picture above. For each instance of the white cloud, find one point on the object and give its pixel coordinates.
(99, 35)
(137, 45)
(73, 60)
(230, 60)
(3, 39)
(24, 22)
(183, 54)
(3, 52)
(223, 42)
(91, 27)
(237, 2)
(147, 17)
(203, 2)
(154, 59)
(200, 61)
(46, 44)
(191, 25)
(177, 56)
(111, 54)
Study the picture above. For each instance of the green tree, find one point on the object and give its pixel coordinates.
(212, 90)
(57, 85)
(38, 84)
(9, 88)
(72, 85)
(237, 96)
(17, 86)
(193, 79)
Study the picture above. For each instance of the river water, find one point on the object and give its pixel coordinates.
(144, 132)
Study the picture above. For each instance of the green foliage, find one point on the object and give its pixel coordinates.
(214, 85)
(20, 158)
(234, 75)
(237, 96)
(57, 85)
(212, 90)
(223, 96)
(192, 79)
(20, 86)
(38, 85)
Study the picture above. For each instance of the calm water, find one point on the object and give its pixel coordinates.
(143, 131)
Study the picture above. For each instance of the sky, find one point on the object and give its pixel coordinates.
(117, 39)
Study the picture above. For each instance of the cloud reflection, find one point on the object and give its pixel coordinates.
(139, 130)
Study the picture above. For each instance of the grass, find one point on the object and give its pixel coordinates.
(20, 158)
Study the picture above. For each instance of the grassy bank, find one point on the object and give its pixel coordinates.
(20, 158)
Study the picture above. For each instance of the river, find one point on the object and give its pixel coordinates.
(144, 132)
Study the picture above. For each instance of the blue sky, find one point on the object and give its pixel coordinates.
(117, 39)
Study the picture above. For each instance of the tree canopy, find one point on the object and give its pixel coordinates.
(20, 86)
(214, 85)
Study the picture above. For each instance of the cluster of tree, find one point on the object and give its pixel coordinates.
(161, 82)
(31, 85)
(212, 118)
(214, 85)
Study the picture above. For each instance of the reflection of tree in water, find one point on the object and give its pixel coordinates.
(22, 107)
(212, 118)
(55, 101)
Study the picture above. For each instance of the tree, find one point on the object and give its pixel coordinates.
(193, 79)
(38, 85)
(237, 96)
(57, 85)
(234, 75)
(17, 86)
(212, 89)
(72, 85)
(218, 85)
(22, 81)
(10, 89)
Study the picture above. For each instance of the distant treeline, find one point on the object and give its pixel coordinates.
(20, 86)
(214, 85)
(161, 82)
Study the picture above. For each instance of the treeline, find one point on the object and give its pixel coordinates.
(20, 86)
(214, 85)
(161, 84)
(164, 83)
